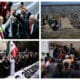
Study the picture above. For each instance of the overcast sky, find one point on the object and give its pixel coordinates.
(58, 3)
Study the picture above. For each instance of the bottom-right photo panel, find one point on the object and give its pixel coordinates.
(60, 59)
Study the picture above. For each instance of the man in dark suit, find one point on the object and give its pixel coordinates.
(1, 68)
(16, 28)
(24, 11)
(47, 57)
(73, 51)
(55, 52)
(32, 28)
(6, 65)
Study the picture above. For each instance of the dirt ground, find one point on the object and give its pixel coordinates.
(67, 31)
(66, 23)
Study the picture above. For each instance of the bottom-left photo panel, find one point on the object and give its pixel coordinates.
(19, 59)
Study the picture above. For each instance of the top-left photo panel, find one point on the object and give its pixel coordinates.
(19, 20)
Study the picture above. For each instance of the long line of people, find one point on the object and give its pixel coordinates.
(65, 63)
(23, 24)
(21, 61)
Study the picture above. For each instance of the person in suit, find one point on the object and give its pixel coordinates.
(1, 68)
(6, 65)
(55, 52)
(24, 11)
(22, 27)
(73, 51)
(17, 27)
(22, 18)
(32, 28)
(47, 57)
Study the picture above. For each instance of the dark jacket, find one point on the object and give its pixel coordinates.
(35, 33)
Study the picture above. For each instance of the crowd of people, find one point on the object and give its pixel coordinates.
(5, 9)
(21, 61)
(65, 63)
(23, 24)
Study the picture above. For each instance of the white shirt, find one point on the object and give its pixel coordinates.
(32, 29)
(5, 25)
(68, 61)
(47, 63)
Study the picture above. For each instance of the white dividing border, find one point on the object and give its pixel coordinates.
(40, 32)
(48, 40)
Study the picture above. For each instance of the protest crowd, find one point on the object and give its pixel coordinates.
(65, 63)
(22, 25)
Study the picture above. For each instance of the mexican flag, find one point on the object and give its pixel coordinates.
(11, 49)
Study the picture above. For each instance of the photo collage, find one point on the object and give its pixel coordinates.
(39, 40)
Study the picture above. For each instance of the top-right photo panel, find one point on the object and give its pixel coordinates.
(60, 20)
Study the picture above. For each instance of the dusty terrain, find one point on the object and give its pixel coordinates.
(67, 31)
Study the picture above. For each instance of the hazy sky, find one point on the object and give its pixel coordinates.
(58, 3)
